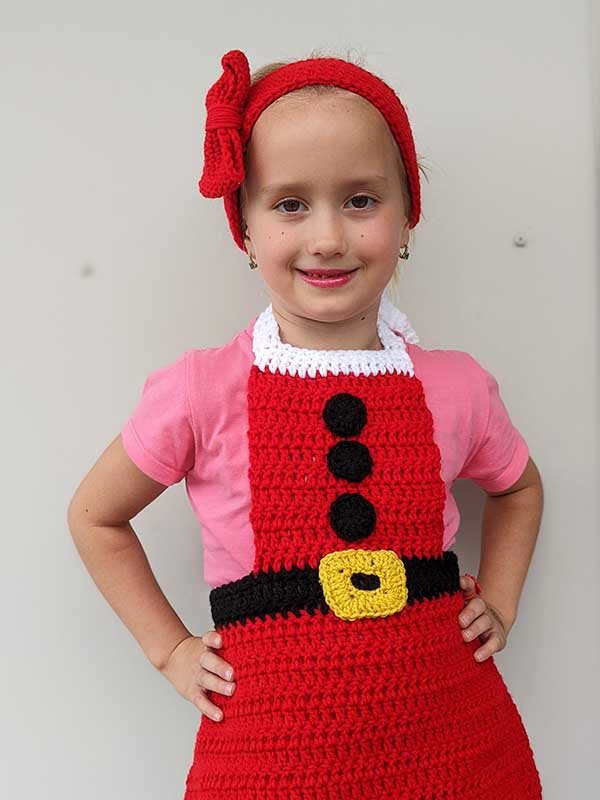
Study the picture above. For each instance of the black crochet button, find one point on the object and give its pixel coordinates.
(350, 460)
(352, 516)
(345, 414)
(365, 581)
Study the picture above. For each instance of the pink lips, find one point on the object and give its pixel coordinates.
(329, 273)
(334, 278)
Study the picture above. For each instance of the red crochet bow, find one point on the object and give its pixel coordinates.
(223, 153)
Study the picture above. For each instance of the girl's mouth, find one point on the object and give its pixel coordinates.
(327, 279)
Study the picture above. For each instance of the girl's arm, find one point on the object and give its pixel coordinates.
(510, 525)
(110, 495)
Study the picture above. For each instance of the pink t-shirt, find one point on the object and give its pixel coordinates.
(191, 421)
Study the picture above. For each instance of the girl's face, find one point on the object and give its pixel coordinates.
(323, 190)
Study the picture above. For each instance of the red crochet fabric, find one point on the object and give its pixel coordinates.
(352, 677)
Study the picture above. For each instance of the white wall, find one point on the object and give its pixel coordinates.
(113, 264)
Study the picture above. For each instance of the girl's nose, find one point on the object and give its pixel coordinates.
(326, 235)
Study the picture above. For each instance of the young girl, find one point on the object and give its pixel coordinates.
(319, 448)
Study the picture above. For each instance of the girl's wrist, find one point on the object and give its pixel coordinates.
(164, 660)
(507, 619)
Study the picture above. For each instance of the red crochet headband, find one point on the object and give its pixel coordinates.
(233, 106)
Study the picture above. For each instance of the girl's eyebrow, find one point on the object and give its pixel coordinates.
(282, 188)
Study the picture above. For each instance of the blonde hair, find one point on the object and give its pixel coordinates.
(323, 89)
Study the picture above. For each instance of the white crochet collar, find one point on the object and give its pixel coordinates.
(270, 351)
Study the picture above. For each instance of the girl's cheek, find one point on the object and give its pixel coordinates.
(281, 246)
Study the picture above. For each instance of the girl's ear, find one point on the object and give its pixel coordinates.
(405, 236)
(406, 232)
(247, 240)
(246, 237)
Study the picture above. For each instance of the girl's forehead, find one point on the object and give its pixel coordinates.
(328, 135)
(323, 118)
(339, 102)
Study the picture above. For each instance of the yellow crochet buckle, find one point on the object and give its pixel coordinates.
(363, 583)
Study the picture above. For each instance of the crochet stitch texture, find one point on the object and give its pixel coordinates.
(352, 677)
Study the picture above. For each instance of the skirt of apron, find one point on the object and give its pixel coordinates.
(393, 707)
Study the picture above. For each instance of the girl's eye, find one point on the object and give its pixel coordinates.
(293, 210)
(363, 197)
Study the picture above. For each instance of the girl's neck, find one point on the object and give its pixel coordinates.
(358, 333)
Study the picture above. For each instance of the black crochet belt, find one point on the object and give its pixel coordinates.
(302, 588)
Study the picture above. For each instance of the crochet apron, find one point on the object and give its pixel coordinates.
(352, 676)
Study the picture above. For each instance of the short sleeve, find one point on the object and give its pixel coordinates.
(498, 454)
(159, 435)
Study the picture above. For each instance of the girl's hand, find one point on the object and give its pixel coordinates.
(479, 618)
(193, 667)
